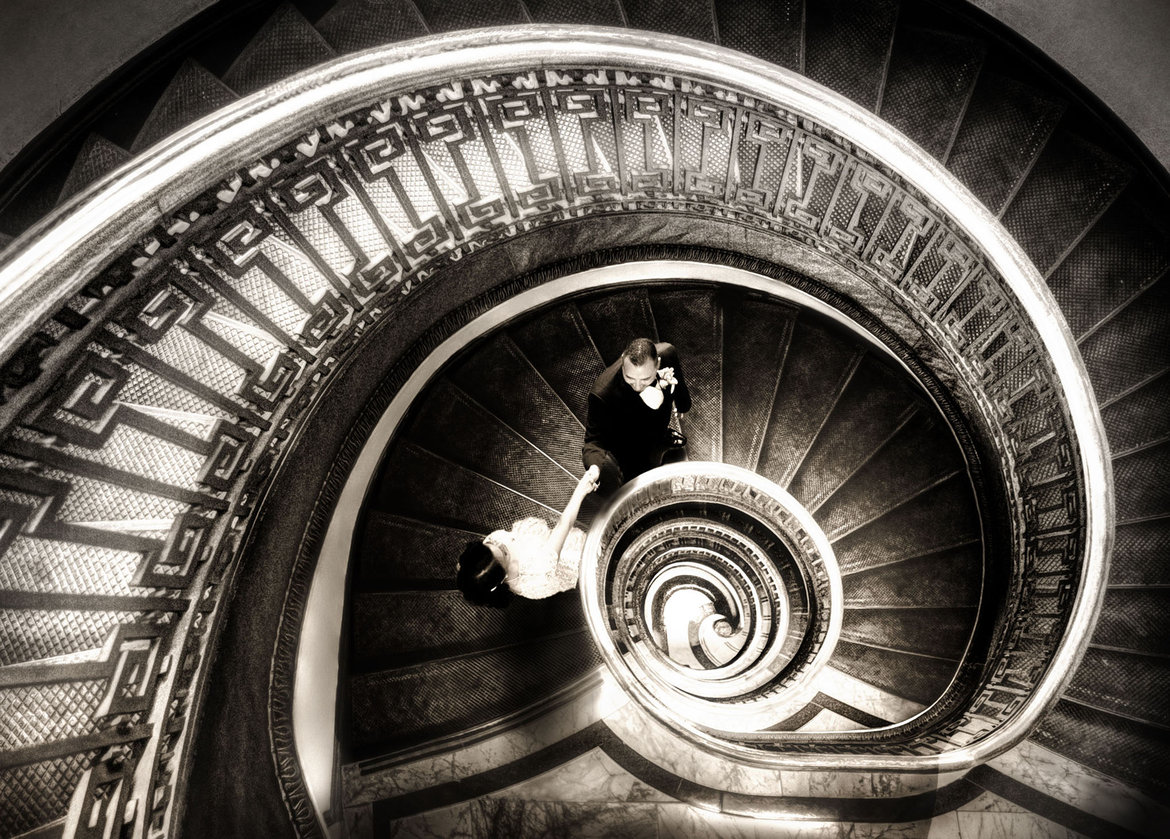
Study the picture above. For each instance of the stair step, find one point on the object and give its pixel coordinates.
(1126, 684)
(932, 522)
(1139, 418)
(932, 75)
(912, 677)
(690, 20)
(499, 376)
(940, 633)
(449, 15)
(454, 427)
(419, 484)
(692, 321)
(913, 461)
(950, 578)
(406, 707)
(1127, 250)
(615, 319)
(558, 345)
(1003, 132)
(1132, 752)
(1139, 553)
(769, 29)
(595, 12)
(756, 335)
(1134, 619)
(98, 157)
(1132, 346)
(821, 359)
(286, 44)
(847, 46)
(1140, 483)
(1071, 185)
(406, 628)
(394, 552)
(874, 404)
(194, 92)
(354, 25)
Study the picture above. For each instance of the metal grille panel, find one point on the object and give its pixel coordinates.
(34, 795)
(33, 634)
(33, 564)
(44, 713)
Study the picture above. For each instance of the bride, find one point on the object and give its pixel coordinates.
(530, 560)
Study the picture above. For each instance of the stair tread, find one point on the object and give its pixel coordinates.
(1126, 750)
(1141, 486)
(815, 368)
(98, 157)
(359, 24)
(769, 29)
(691, 320)
(419, 484)
(871, 408)
(285, 44)
(398, 709)
(615, 319)
(912, 677)
(1069, 187)
(449, 15)
(1125, 252)
(1139, 553)
(931, 77)
(1139, 418)
(1130, 685)
(950, 578)
(911, 462)
(940, 632)
(1004, 130)
(452, 426)
(504, 380)
(394, 549)
(847, 45)
(194, 92)
(756, 336)
(1132, 346)
(927, 524)
(690, 20)
(558, 345)
(1134, 619)
(392, 630)
(595, 12)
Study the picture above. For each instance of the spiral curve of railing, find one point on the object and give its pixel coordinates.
(164, 335)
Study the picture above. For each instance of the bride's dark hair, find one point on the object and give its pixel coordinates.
(480, 578)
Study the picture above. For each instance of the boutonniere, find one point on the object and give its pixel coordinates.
(653, 395)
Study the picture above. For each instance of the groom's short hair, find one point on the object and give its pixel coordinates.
(640, 351)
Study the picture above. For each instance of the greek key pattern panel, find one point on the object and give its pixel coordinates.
(144, 418)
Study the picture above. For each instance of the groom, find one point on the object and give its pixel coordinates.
(627, 427)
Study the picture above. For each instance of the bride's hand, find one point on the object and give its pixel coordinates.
(591, 479)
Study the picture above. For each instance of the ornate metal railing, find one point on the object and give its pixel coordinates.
(163, 336)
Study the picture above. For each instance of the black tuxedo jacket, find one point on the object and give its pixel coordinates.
(621, 424)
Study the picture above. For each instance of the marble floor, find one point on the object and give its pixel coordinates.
(597, 765)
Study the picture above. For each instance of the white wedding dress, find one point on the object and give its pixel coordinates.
(537, 571)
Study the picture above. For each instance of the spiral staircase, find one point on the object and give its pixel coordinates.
(147, 679)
